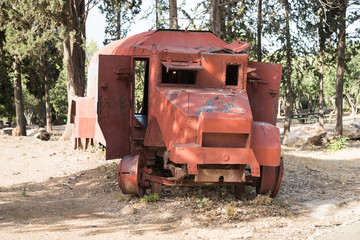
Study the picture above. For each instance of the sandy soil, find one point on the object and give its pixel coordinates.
(49, 191)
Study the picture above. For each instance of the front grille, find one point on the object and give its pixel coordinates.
(224, 140)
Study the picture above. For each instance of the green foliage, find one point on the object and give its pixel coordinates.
(231, 210)
(30, 105)
(199, 202)
(119, 17)
(101, 148)
(337, 143)
(139, 85)
(47, 63)
(161, 12)
(7, 108)
(26, 30)
(352, 77)
(59, 98)
(154, 197)
(32, 37)
(91, 48)
(34, 31)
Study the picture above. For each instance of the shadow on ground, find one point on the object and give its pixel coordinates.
(91, 201)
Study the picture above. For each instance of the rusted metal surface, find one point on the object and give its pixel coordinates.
(153, 135)
(186, 182)
(210, 113)
(238, 46)
(181, 66)
(156, 188)
(263, 91)
(271, 179)
(131, 175)
(114, 103)
(83, 115)
(266, 144)
(221, 175)
(194, 155)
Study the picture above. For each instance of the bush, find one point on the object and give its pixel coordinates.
(154, 197)
(337, 143)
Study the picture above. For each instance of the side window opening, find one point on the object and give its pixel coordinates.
(178, 76)
(141, 86)
(232, 73)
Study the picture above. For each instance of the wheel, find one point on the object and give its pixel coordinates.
(270, 179)
(130, 175)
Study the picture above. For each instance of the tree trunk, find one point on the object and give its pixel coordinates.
(228, 17)
(47, 101)
(279, 108)
(9, 121)
(74, 55)
(18, 97)
(340, 68)
(330, 116)
(356, 103)
(41, 106)
(173, 14)
(353, 102)
(215, 17)
(300, 79)
(118, 23)
(321, 89)
(75, 61)
(157, 24)
(288, 94)
(321, 69)
(259, 28)
(310, 104)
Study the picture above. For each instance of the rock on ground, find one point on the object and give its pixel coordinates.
(352, 131)
(39, 133)
(127, 210)
(7, 131)
(309, 135)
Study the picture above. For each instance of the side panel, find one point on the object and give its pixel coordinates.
(85, 118)
(266, 144)
(263, 86)
(114, 103)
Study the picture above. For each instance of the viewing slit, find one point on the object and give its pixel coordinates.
(178, 76)
(232, 74)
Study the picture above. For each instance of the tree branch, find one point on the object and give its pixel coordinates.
(226, 3)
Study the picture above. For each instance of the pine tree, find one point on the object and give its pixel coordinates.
(119, 17)
(17, 23)
(7, 108)
(340, 67)
(288, 104)
(215, 24)
(173, 16)
(69, 17)
(29, 33)
(259, 30)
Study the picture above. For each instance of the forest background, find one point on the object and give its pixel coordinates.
(44, 54)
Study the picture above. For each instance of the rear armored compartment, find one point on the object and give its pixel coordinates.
(183, 108)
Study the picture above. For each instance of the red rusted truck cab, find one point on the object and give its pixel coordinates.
(206, 114)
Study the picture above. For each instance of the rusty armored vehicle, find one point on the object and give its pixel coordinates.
(206, 115)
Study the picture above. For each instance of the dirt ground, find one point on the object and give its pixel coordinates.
(49, 191)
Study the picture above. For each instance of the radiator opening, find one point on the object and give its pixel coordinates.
(224, 140)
